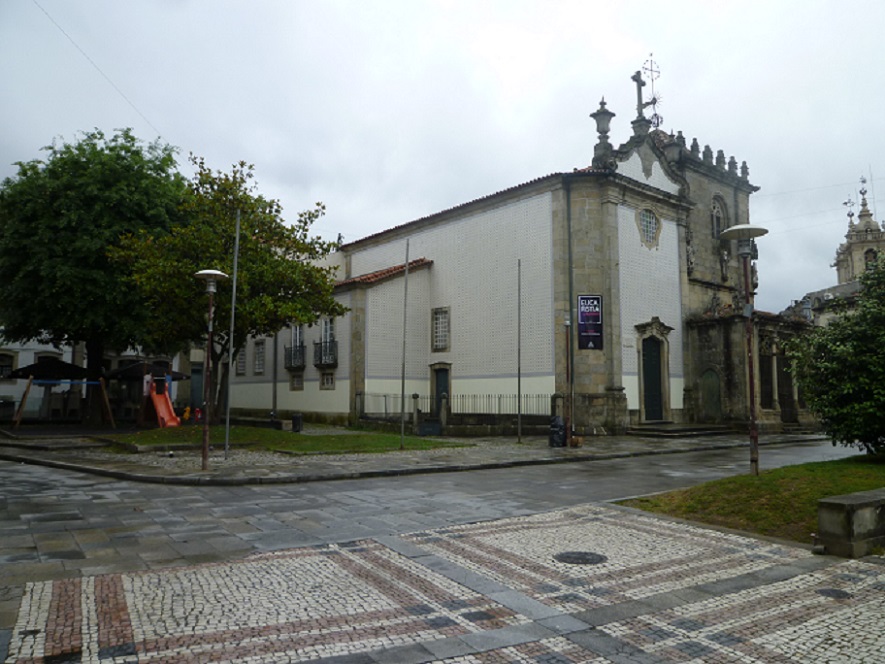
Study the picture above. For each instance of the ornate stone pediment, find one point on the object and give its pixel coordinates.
(654, 328)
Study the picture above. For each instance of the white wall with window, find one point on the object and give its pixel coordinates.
(475, 283)
(306, 390)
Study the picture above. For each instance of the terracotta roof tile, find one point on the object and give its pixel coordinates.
(385, 273)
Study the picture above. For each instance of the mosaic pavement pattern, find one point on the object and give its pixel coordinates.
(590, 584)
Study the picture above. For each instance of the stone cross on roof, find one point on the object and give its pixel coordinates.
(637, 78)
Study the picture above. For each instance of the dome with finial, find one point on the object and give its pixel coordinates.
(865, 220)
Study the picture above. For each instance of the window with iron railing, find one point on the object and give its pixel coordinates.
(325, 354)
(325, 351)
(294, 359)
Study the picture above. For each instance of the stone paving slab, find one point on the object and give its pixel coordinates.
(630, 589)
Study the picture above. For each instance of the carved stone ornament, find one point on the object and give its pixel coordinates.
(723, 263)
(654, 328)
(766, 345)
(689, 252)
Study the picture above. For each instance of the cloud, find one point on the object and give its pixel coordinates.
(392, 110)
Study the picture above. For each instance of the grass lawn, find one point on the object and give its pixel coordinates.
(267, 438)
(778, 503)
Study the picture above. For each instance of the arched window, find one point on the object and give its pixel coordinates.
(870, 256)
(718, 220)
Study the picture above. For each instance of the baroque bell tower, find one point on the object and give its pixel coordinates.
(864, 242)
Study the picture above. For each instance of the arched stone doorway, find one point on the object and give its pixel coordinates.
(654, 370)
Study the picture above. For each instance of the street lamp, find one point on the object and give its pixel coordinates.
(211, 278)
(745, 235)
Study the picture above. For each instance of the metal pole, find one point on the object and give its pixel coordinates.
(402, 439)
(273, 401)
(568, 378)
(519, 350)
(230, 341)
(754, 432)
(207, 388)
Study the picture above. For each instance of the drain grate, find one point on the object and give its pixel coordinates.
(580, 558)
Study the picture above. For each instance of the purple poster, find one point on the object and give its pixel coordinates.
(590, 322)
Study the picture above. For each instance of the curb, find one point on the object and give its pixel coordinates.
(191, 480)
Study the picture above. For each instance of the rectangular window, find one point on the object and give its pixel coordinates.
(297, 336)
(327, 380)
(440, 330)
(328, 330)
(6, 361)
(241, 362)
(296, 381)
(258, 357)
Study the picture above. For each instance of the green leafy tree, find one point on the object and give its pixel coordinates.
(840, 368)
(58, 218)
(280, 278)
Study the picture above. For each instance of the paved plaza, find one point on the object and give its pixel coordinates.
(594, 583)
(521, 564)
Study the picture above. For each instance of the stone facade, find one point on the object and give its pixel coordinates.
(637, 233)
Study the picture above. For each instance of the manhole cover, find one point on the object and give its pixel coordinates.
(834, 593)
(580, 558)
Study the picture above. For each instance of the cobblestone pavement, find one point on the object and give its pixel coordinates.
(594, 583)
(109, 572)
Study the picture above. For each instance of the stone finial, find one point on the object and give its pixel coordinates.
(720, 159)
(695, 148)
(745, 171)
(732, 165)
(603, 118)
(680, 138)
(602, 151)
(865, 217)
(708, 154)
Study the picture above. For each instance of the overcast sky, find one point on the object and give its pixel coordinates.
(388, 111)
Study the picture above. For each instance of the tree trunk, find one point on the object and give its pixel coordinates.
(95, 414)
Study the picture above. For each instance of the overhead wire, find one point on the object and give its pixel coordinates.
(97, 68)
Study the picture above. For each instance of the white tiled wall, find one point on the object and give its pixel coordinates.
(474, 274)
(632, 168)
(650, 286)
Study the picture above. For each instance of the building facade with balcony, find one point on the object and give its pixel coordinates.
(604, 294)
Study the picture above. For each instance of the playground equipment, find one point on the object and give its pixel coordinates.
(159, 393)
(50, 383)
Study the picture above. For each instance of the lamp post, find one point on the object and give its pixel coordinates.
(211, 278)
(745, 235)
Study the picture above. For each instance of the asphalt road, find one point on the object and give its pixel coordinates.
(55, 505)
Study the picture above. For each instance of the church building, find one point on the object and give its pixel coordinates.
(604, 294)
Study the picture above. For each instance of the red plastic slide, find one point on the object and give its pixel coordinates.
(165, 413)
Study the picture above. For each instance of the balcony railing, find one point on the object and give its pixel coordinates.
(295, 357)
(325, 354)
